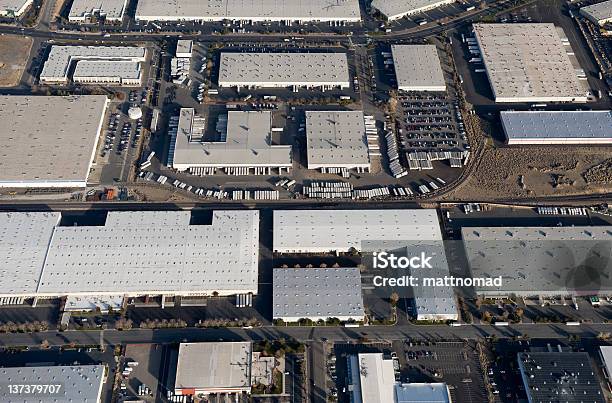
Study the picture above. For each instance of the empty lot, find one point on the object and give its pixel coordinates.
(14, 51)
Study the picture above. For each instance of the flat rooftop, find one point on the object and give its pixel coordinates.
(422, 393)
(394, 9)
(376, 377)
(328, 230)
(49, 141)
(61, 58)
(283, 69)
(417, 68)
(579, 127)
(79, 383)
(111, 9)
(318, 293)
(168, 256)
(560, 376)
(538, 260)
(527, 63)
(600, 12)
(15, 6)
(120, 69)
(210, 366)
(248, 142)
(336, 139)
(257, 10)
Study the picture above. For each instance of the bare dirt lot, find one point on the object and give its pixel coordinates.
(536, 171)
(14, 52)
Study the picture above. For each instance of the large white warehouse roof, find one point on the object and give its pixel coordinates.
(417, 68)
(336, 139)
(557, 127)
(599, 13)
(165, 256)
(78, 383)
(255, 10)
(395, 9)
(283, 69)
(539, 260)
(317, 293)
(213, 368)
(305, 231)
(248, 143)
(51, 141)
(528, 63)
(61, 58)
(112, 10)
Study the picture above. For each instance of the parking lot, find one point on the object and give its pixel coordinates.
(454, 363)
(142, 382)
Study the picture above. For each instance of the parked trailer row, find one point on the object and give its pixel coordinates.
(562, 210)
(328, 190)
(244, 300)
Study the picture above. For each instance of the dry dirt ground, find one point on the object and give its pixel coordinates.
(14, 52)
(535, 171)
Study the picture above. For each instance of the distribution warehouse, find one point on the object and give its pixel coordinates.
(317, 294)
(205, 368)
(245, 144)
(557, 127)
(396, 9)
(559, 376)
(14, 8)
(513, 56)
(74, 383)
(251, 10)
(84, 10)
(540, 261)
(61, 137)
(411, 231)
(310, 70)
(133, 253)
(337, 139)
(321, 231)
(599, 13)
(94, 64)
(417, 68)
(371, 378)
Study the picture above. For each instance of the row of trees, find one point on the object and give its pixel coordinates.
(28, 327)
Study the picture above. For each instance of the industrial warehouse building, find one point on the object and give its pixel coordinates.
(323, 231)
(133, 253)
(539, 261)
(244, 145)
(281, 70)
(214, 368)
(513, 56)
(557, 127)
(317, 294)
(559, 376)
(396, 9)
(599, 13)
(337, 139)
(74, 383)
(409, 231)
(14, 8)
(111, 65)
(417, 68)
(86, 10)
(51, 141)
(371, 379)
(249, 10)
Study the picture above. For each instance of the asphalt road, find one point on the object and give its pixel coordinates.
(304, 334)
